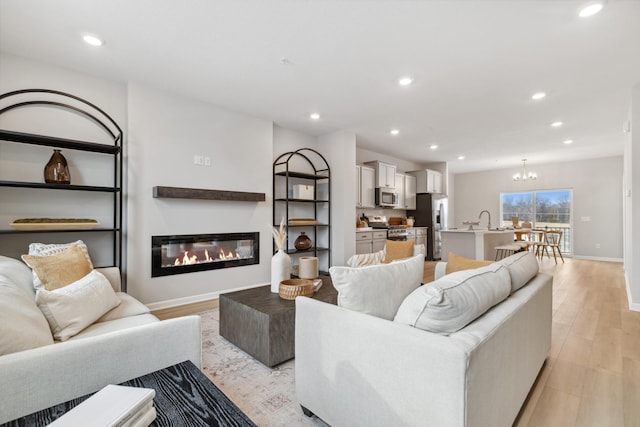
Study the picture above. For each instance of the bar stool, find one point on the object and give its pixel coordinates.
(504, 251)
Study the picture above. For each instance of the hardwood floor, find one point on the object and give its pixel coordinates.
(592, 374)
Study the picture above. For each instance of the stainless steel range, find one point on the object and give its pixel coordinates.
(394, 232)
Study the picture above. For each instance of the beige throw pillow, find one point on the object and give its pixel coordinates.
(47, 249)
(56, 271)
(72, 308)
(398, 249)
(459, 263)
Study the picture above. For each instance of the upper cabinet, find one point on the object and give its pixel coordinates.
(365, 187)
(400, 190)
(428, 181)
(410, 192)
(385, 174)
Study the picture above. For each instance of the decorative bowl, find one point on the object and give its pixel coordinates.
(292, 288)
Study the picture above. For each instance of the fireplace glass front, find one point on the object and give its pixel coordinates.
(198, 252)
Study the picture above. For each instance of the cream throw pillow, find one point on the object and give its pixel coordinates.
(377, 290)
(56, 271)
(72, 308)
(455, 300)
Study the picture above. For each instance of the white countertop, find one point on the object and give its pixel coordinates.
(358, 230)
(476, 231)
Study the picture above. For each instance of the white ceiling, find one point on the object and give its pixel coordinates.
(476, 64)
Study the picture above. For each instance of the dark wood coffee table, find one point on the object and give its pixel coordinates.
(263, 324)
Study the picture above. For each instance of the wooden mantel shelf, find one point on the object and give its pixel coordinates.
(197, 193)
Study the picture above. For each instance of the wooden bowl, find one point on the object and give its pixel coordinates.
(292, 288)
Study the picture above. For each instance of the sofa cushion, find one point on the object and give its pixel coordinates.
(453, 301)
(522, 266)
(22, 325)
(16, 273)
(117, 326)
(377, 289)
(397, 249)
(61, 269)
(459, 263)
(129, 306)
(72, 308)
(48, 249)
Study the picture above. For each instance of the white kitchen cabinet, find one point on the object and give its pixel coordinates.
(379, 240)
(401, 191)
(410, 191)
(428, 181)
(365, 187)
(370, 241)
(385, 174)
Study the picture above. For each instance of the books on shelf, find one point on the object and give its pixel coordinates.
(113, 406)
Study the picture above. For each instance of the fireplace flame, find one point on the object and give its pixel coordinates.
(193, 259)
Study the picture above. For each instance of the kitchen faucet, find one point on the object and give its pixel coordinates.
(489, 222)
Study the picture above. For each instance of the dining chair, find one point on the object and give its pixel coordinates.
(537, 237)
(552, 240)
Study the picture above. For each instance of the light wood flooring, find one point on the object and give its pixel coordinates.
(592, 374)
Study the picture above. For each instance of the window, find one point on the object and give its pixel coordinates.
(549, 209)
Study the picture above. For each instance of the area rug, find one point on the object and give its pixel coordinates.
(265, 395)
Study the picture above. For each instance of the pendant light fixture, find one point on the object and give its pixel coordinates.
(524, 175)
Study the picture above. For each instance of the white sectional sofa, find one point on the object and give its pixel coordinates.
(356, 369)
(37, 372)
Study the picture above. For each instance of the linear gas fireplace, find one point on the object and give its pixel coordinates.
(198, 252)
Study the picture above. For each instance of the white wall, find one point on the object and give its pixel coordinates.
(341, 155)
(165, 131)
(597, 194)
(632, 204)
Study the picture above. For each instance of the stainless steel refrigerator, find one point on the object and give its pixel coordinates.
(431, 212)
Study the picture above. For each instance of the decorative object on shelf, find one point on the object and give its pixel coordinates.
(303, 242)
(410, 221)
(304, 192)
(56, 171)
(280, 262)
(308, 267)
(54, 224)
(525, 176)
(292, 288)
(302, 221)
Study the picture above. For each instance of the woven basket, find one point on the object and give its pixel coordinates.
(292, 288)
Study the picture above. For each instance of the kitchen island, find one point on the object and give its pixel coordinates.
(479, 244)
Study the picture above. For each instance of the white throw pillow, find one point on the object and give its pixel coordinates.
(72, 308)
(44, 249)
(522, 267)
(455, 300)
(377, 290)
(22, 325)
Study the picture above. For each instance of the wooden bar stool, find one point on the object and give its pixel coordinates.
(504, 251)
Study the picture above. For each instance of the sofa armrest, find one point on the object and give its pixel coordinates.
(441, 270)
(42, 377)
(353, 369)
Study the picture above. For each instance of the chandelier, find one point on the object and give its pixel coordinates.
(524, 175)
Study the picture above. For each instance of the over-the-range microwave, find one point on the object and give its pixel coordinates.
(386, 197)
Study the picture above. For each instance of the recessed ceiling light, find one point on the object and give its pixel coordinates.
(314, 116)
(460, 157)
(538, 95)
(433, 146)
(405, 81)
(394, 131)
(556, 124)
(568, 141)
(590, 10)
(92, 40)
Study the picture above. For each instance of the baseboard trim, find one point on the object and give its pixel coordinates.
(633, 306)
(596, 258)
(195, 298)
